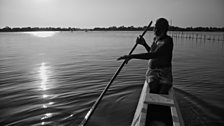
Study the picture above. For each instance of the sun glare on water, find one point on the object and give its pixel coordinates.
(43, 34)
(43, 76)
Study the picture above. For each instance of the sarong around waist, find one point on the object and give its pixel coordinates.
(162, 75)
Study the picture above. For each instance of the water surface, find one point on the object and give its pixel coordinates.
(55, 77)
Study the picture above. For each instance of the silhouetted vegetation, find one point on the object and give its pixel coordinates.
(112, 28)
(25, 29)
(121, 28)
(171, 28)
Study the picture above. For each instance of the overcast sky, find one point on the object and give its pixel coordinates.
(105, 13)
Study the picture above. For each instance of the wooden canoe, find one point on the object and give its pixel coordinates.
(157, 108)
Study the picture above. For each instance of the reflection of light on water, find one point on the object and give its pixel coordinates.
(45, 95)
(51, 103)
(43, 34)
(42, 123)
(70, 116)
(48, 104)
(47, 115)
(44, 106)
(43, 76)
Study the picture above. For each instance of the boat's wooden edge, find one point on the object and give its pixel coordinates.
(141, 109)
(158, 99)
(178, 112)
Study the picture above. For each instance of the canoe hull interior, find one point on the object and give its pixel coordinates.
(159, 114)
(157, 109)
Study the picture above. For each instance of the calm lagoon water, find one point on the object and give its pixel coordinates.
(53, 78)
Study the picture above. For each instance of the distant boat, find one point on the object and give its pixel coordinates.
(157, 109)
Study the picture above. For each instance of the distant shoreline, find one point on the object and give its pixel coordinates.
(113, 28)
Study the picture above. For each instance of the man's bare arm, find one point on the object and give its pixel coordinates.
(141, 41)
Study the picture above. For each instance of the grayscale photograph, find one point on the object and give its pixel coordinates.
(111, 62)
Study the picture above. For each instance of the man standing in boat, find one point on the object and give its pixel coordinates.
(159, 73)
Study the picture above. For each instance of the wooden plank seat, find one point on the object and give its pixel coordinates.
(158, 99)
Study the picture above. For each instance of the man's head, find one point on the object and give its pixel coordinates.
(161, 27)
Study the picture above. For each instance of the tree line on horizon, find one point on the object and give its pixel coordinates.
(112, 28)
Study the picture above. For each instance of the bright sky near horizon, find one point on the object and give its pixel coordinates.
(105, 13)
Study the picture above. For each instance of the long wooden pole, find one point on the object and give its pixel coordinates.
(90, 112)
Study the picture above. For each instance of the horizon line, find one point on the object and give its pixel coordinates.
(106, 27)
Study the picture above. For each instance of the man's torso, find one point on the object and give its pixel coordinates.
(164, 48)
